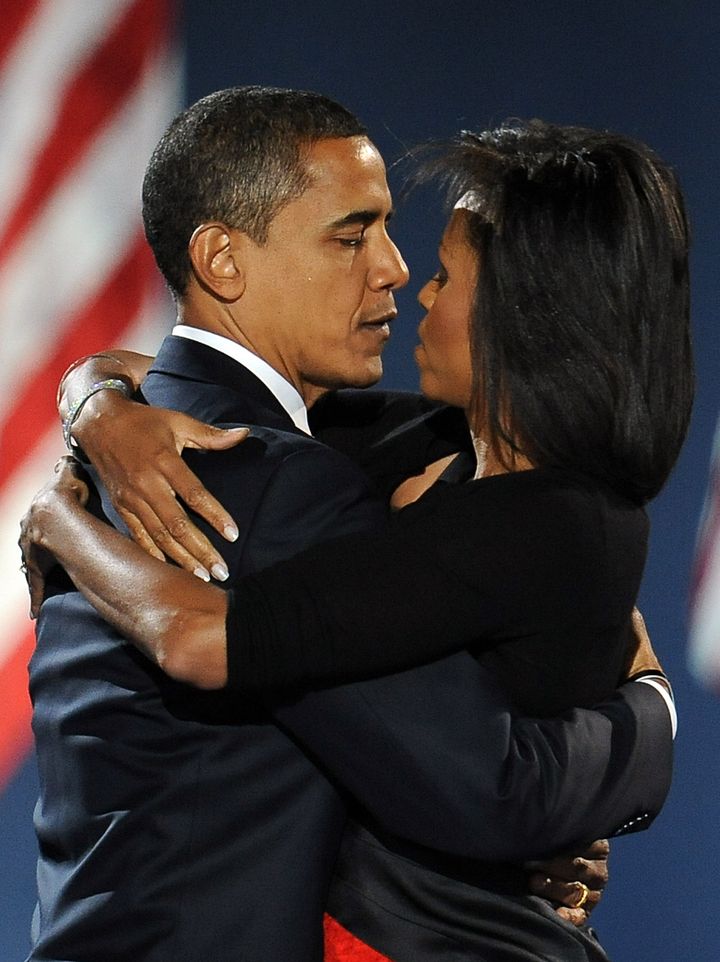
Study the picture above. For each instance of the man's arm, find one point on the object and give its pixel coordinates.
(468, 777)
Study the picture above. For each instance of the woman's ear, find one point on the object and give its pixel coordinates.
(216, 256)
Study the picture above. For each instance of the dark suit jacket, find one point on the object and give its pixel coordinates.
(183, 825)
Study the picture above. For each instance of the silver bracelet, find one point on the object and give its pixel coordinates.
(111, 384)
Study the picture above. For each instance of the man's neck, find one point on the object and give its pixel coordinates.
(286, 394)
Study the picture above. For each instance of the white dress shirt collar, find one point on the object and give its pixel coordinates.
(283, 390)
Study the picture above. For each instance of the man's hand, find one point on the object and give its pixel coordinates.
(136, 452)
(573, 882)
(67, 482)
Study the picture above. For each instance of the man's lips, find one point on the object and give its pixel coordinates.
(381, 323)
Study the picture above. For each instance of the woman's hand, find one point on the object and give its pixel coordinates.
(175, 619)
(136, 452)
(67, 488)
(640, 656)
(574, 882)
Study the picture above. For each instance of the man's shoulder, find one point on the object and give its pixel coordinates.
(269, 450)
(286, 491)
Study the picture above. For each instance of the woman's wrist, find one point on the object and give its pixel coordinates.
(76, 409)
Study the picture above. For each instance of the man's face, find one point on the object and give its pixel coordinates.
(319, 292)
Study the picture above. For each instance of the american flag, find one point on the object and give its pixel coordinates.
(86, 88)
(704, 658)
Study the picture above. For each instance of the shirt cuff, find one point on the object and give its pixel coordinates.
(667, 697)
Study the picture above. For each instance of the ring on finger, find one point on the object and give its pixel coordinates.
(584, 894)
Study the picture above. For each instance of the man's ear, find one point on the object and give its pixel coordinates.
(216, 256)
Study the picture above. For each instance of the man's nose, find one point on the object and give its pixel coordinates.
(390, 272)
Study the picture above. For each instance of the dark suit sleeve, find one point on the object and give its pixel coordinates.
(437, 757)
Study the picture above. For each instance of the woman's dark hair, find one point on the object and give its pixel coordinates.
(580, 331)
(236, 156)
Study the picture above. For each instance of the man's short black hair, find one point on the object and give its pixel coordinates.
(236, 156)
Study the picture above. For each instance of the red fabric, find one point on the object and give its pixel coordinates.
(343, 946)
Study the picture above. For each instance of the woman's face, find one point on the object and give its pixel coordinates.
(443, 355)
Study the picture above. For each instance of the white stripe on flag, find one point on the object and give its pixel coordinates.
(76, 62)
(36, 470)
(704, 649)
(33, 82)
(74, 242)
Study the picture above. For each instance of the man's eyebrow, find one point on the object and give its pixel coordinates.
(364, 218)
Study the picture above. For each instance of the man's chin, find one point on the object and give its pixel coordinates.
(369, 377)
(358, 378)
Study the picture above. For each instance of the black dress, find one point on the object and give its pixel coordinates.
(535, 572)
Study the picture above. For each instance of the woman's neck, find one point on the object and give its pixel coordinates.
(498, 458)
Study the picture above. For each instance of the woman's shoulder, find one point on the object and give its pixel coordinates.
(547, 485)
(539, 513)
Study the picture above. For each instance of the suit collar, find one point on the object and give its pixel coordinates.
(227, 384)
(284, 391)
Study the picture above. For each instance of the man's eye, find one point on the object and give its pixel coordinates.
(352, 241)
(440, 278)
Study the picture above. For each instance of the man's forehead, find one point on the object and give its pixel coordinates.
(345, 163)
(347, 183)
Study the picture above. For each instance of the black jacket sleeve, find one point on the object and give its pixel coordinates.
(437, 758)
(516, 568)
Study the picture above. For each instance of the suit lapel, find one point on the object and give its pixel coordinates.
(207, 384)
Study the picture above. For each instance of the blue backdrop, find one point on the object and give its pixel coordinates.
(414, 70)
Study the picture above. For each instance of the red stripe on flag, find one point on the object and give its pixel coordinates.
(100, 88)
(100, 323)
(16, 14)
(15, 732)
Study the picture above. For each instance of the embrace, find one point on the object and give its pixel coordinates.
(396, 661)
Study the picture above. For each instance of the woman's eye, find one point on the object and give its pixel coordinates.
(440, 278)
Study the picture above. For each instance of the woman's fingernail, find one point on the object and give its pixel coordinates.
(201, 573)
(230, 532)
(220, 572)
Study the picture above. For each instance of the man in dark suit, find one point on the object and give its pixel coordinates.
(178, 824)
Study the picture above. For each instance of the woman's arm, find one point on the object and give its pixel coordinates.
(136, 452)
(182, 623)
(151, 603)
(83, 374)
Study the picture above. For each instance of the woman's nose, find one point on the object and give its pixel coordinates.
(426, 296)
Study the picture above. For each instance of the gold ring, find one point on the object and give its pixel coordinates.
(584, 896)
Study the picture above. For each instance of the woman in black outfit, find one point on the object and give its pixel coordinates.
(558, 324)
